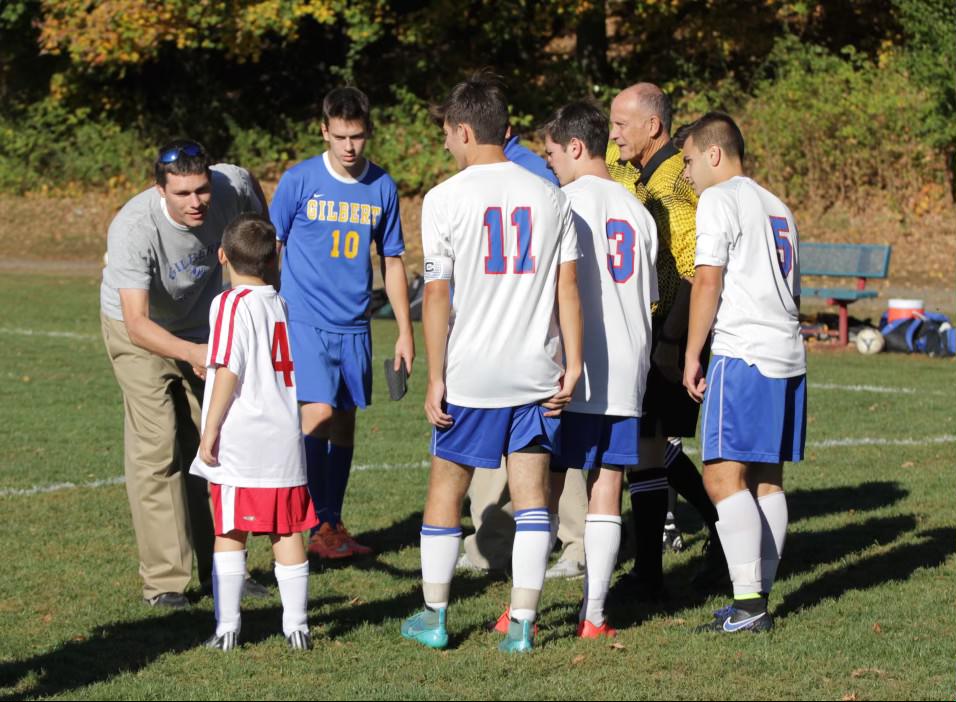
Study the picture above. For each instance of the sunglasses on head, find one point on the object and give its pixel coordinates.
(173, 154)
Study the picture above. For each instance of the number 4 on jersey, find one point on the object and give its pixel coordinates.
(281, 358)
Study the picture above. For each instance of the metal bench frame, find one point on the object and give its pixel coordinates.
(860, 261)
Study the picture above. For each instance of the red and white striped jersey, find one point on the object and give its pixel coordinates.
(260, 441)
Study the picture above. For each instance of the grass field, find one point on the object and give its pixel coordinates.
(864, 605)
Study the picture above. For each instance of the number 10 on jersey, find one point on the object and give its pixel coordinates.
(496, 262)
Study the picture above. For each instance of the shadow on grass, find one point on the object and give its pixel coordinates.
(806, 504)
(128, 647)
(804, 551)
(347, 619)
(897, 564)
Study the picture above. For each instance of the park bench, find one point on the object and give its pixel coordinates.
(860, 261)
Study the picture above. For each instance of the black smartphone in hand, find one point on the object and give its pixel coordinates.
(397, 381)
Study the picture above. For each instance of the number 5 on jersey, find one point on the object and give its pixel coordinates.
(781, 237)
(281, 358)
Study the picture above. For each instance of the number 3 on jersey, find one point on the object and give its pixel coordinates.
(620, 261)
(281, 358)
(781, 237)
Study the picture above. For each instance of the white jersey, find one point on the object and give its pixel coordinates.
(617, 280)
(499, 233)
(260, 442)
(749, 231)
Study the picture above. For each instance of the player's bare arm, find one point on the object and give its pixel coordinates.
(704, 296)
(148, 335)
(572, 325)
(436, 310)
(396, 288)
(223, 392)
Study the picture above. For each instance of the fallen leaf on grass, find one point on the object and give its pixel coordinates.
(850, 696)
(908, 464)
(356, 601)
(877, 629)
(618, 646)
(579, 659)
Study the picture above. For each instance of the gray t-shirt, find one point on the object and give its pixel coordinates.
(178, 266)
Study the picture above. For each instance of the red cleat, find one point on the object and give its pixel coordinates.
(355, 548)
(587, 630)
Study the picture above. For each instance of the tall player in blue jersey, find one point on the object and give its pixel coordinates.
(327, 211)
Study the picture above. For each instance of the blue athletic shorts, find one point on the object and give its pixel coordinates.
(332, 368)
(595, 440)
(480, 437)
(750, 418)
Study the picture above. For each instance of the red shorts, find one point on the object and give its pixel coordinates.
(285, 510)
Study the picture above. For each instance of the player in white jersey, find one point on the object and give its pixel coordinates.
(747, 289)
(498, 376)
(617, 280)
(251, 449)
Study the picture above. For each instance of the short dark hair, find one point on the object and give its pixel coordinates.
(480, 103)
(181, 157)
(249, 242)
(349, 104)
(582, 120)
(680, 135)
(717, 128)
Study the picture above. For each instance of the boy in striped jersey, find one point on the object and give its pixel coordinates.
(251, 449)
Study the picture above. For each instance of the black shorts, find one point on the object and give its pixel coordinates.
(666, 403)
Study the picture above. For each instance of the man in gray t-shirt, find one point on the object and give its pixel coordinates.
(161, 275)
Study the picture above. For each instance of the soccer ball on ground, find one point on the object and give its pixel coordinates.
(869, 341)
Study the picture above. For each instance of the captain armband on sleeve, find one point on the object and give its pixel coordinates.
(438, 268)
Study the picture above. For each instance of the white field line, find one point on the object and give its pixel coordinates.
(18, 331)
(826, 443)
(120, 480)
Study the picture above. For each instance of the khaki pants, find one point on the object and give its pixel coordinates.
(171, 516)
(492, 517)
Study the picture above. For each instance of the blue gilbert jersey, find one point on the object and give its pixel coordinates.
(327, 224)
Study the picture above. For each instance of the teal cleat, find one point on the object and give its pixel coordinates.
(427, 628)
(520, 638)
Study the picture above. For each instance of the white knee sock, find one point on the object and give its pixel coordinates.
(554, 523)
(773, 518)
(228, 576)
(529, 560)
(294, 590)
(439, 556)
(739, 529)
(602, 539)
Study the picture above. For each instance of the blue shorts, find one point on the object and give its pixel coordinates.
(331, 368)
(595, 440)
(480, 437)
(751, 418)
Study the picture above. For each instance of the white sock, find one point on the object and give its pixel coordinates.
(228, 576)
(554, 523)
(439, 555)
(739, 529)
(773, 519)
(294, 590)
(602, 539)
(529, 560)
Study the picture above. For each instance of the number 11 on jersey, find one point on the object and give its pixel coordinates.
(496, 263)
